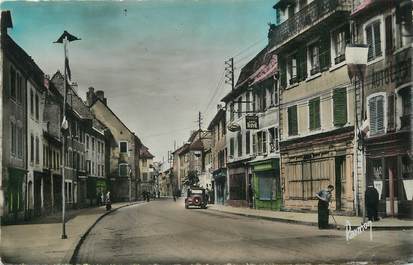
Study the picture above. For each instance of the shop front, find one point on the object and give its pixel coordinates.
(390, 169)
(237, 184)
(266, 184)
(220, 181)
(15, 194)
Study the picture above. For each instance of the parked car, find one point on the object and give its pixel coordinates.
(196, 197)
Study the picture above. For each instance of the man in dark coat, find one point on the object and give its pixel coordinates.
(324, 197)
(372, 203)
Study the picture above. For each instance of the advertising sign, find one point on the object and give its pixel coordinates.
(251, 122)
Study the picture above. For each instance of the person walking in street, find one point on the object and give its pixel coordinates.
(324, 197)
(108, 201)
(372, 203)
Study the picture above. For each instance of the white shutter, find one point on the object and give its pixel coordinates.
(380, 114)
(373, 115)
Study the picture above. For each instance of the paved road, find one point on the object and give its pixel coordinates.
(164, 232)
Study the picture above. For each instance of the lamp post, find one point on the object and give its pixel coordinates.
(65, 38)
(356, 58)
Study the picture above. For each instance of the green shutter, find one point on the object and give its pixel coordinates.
(302, 64)
(292, 120)
(340, 106)
(314, 113)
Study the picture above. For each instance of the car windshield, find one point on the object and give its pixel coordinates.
(198, 192)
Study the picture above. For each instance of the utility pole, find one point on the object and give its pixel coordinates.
(65, 38)
(229, 72)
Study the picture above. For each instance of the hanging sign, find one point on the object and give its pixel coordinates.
(251, 122)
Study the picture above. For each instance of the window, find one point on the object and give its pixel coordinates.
(266, 184)
(290, 11)
(237, 189)
(292, 69)
(340, 106)
(373, 40)
(253, 102)
(247, 100)
(144, 176)
(37, 150)
(247, 142)
(13, 131)
(123, 170)
(44, 155)
(340, 39)
(31, 148)
(20, 142)
(13, 93)
(19, 88)
(292, 120)
(31, 102)
(376, 114)
(231, 111)
(239, 144)
(37, 106)
(87, 142)
(123, 147)
(262, 142)
(314, 113)
(313, 54)
(231, 147)
(144, 162)
(324, 52)
(254, 144)
(273, 134)
(93, 144)
(88, 168)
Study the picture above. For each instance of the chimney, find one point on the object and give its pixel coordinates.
(6, 21)
(101, 95)
(90, 96)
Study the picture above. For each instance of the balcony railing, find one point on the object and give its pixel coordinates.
(305, 18)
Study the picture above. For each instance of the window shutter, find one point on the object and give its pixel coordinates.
(373, 115)
(292, 120)
(369, 41)
(389, 35)
(314, 113)
(283, 73)
(324, 53)
(302, 64)
(340, 106)
(390, 111)
(377, 39)
(380, 114)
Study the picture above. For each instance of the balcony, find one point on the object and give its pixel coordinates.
(308, 16)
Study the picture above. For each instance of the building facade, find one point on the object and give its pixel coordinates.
(386, 28)
(316, 103)
(147, 170)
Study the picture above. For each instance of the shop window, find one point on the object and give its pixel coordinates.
(340, 106)
(376, 114)
(266, 185)
(373, 40)
(237, 187)
(292, 121)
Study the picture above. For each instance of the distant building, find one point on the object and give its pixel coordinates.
(146, 168)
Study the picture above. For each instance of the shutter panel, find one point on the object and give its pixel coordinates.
(324, 53)
(390, 111)
(389, 34)
(380, 113)
(311, 114)
(317, 113)
(369, 41)
(373, 115)
(283, 72)
(292, 120)
(340, 106)
(377, 39)
(302, 64)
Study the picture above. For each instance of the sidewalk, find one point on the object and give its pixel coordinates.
(311, 218)
(42, 243)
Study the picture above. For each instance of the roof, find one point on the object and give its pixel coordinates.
(73, 98)
(196, 145)
(98, 125)
(22, 60)
(258, 69)
(144, 152)
(220, 115)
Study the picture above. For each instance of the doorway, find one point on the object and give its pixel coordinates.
(340, 172)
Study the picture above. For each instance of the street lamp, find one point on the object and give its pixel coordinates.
(65, 38)
(356, 58)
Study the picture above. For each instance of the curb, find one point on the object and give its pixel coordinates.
(83, 237)
(289, 221)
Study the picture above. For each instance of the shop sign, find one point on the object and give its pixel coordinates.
(398, 73)
(251, 122)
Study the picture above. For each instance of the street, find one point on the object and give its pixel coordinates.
(165, 232)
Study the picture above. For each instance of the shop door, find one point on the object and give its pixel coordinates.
(340, 163)
(391, 186)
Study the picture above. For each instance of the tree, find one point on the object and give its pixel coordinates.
(191, 179)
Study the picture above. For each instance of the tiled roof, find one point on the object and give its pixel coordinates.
(144, 152)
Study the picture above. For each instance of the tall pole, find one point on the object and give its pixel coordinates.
(64, 236)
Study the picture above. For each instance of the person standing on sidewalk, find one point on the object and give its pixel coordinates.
(324, 197)
(372, 203)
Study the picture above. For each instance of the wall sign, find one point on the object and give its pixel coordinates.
(251, 122)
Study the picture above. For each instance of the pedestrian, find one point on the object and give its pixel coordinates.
(108, 201)
(324, 197)
(102, 199)
(372, 203)
(251, 196)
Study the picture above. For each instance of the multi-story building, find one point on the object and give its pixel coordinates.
(17, 67)
(386, 28)
(316, 102)
(217, 127)
(122, 167)
(147, 170)
(36, 180)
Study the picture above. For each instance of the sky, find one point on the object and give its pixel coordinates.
(159, 62)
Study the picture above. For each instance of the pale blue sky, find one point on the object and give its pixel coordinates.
(159, 64)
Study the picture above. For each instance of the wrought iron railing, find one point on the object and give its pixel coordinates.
(305, 18)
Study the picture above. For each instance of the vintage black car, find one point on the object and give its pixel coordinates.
(196, 197)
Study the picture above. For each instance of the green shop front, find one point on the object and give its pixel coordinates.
(266, 184)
